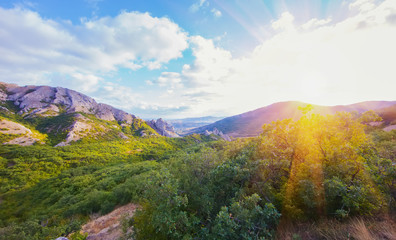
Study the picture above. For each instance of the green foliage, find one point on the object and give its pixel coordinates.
(139, 127)
(316, 166)
(187, 199)
(12, 110)
(25, 166)
(382, 165)
(78, 236)
(344, 199)
(194, 187)
(246, 219)
(165, 215)
(53, 186)
(55, 127)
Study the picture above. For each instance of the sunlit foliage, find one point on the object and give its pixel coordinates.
(196, 188)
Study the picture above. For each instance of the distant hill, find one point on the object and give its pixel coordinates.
(249, 124)
(59, 116)
(185, 124)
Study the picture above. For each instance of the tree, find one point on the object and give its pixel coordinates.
(307, 157)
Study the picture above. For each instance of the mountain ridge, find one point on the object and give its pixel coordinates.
(66, 116)
(249, 124)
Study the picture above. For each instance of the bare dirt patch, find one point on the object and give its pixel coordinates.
(109, 226)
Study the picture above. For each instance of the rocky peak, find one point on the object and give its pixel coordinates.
(219, 133)
(163, 128)
(44, 100)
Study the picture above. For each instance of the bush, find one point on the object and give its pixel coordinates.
(246, 219)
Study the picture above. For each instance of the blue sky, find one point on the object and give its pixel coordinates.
(195, 58)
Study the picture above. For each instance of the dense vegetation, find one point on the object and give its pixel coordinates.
(319, 167)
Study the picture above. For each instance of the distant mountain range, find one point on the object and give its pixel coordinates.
(250, 124)
(186, 124)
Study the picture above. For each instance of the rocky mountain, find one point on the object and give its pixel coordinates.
(65, 116)
(216, 132)
(163, 128)
(51, 101)
(249, 124)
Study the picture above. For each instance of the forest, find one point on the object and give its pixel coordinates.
(319, 177)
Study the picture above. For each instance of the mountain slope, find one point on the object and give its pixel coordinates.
(249, 124)
(65, 116)
(14, 133)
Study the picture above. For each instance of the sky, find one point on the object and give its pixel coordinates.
(193, 58)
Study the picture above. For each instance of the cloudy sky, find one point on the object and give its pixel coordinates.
(171, 58)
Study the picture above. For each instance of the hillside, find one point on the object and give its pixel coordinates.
(250, 123)
(59, 116)
(83, 177)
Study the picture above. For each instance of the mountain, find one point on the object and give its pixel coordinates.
(163, 128)
(185, 124)
(30, 113)
(249, 124)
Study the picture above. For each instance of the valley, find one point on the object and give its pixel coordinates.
(66, 160)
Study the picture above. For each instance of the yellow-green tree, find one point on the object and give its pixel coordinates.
(317, 165)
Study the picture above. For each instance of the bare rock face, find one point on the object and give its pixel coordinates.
(50, 101)
(18, 133)
(78, 130)
(163, 128)
(217, 132)
(3, 95)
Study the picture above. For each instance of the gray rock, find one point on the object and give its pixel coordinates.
(5, 109)
(3, 95)
(163, 128)
(44, 101)
(219, 133)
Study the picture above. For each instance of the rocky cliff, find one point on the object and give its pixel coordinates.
(163, 128)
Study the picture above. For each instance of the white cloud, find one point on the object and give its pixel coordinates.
(39, 47)
(319, 62)
(322, 61)
(363, 5)
(217, 13)
(170, 79)
(285, 22)
(313, 23)
(199, 4)
(150, 83)
(119, 96)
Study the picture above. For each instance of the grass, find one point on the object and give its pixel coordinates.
(359, 228)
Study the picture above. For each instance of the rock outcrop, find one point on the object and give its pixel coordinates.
(15, 133)
(163, 128)
(110, 226)
(218, 133)
(3, 95)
